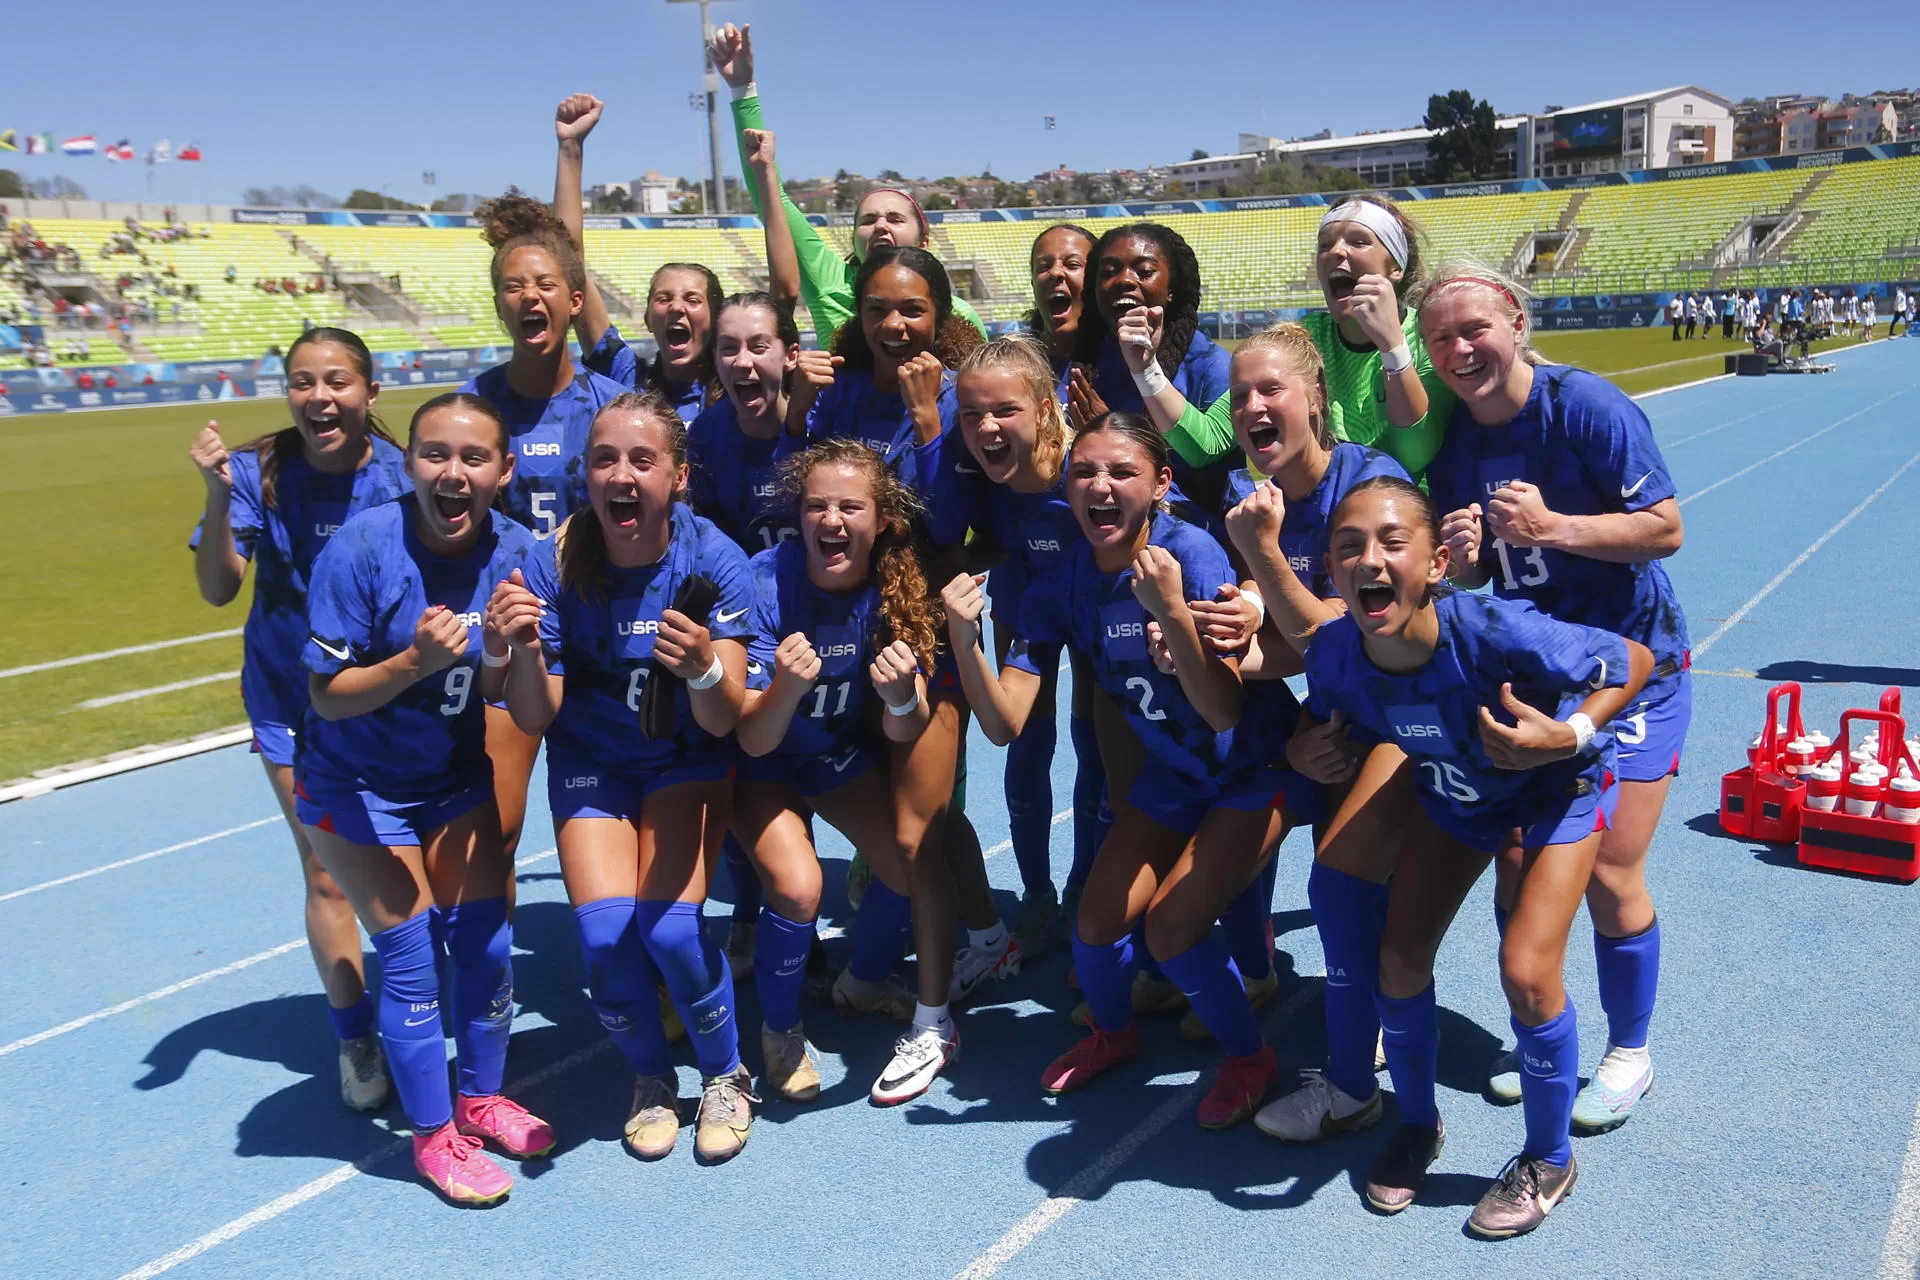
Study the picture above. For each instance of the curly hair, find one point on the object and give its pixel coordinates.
(703, 371)
(1035, 321)
(1182, 318)
(1296, 343)
(909, 611)
(1023, 356)
(580, 544)
(953, 338)
(514, 221)
(276, 447)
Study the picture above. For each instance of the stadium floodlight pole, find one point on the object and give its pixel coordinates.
(710, 84)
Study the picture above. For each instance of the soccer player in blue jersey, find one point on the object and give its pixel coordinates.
(843, 627)
(1196, 827)
(1500, 710)
(1016, 431)
(734, 451)
(1557, 494)
(683, 298)
(1148, 272)
(639, 819)
(888, 384)
(275, 503)
(547, 404)
(395, 785)
(1057, 263)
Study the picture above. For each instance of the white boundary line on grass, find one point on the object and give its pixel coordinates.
(115, 699)
(259, 957)
(129, 651)
(33, 787)
(1804, 440)
(1091, 1179)
(139, 857)
(1802, 558)
(336, 1177)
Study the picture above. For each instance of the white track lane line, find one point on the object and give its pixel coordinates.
(1900, 1252)
(1090, 1180)
(1738, 614)
(344, 1173)
(139, 857)
(129, 651)
(225, 970)
(1699, 435)
(1781, 453)
(114, 699)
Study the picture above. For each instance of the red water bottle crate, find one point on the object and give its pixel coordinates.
(1866, 832)
(1764, 800)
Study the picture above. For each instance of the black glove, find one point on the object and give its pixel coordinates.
(696, 598)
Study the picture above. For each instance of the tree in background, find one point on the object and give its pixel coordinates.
(56, 188)
(301, 196)
(361, 198)
(938, 200)
(10, 185)
(1465, 142)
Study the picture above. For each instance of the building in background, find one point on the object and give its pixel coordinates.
(1667, 127)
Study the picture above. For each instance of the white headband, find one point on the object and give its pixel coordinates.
(1377, 220)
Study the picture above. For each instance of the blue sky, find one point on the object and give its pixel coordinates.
(362, 95)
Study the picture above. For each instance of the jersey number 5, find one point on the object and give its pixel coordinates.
(540, 502)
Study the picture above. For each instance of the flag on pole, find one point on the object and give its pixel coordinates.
(161, 153)
(189, 152)
(9, 140)
(39, 144)
(121, 150)
(84, 145)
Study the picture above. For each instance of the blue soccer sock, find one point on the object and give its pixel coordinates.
(1089, 797)
(1029, 781)
(1106, 979)
(746, 881)
(353, 1021)
(410, 1022)
(1210, 980)
(689, 964)
(621, 979)
(780, 949)
(880, 933)
(1412, 1029)
(1350, 913)
(1629, 970)
(1246, 922)
(480, 957)
(1549, 1078)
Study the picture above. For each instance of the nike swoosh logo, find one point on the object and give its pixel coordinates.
(735, 616)
(345, 655)
(1627, 491)
(966, 470)
(840, 765)
(421, 1022)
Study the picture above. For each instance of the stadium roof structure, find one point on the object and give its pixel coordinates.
(1631, 98)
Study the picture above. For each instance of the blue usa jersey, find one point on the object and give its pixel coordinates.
(843, 629)
(612, 358)
(283, 541)
(603, 648)
(369, 588)
(1433, 714)
(1036, 530)
(1589, 450)
(548, 437)
(732, 479)
(1304, 531)
(942, 472)
(1096, 615)
(1204, 375)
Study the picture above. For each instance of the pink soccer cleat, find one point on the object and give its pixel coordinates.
(509, 1126)
(454, 1165)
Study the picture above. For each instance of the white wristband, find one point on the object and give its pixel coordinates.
(487, 659)
(905, 708)
(1151, 380)
(748, 90)
(1398, 360)
(1259, 603)
(1582, 725)
(714, 675)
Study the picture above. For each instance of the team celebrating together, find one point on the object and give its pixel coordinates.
(1383, 576)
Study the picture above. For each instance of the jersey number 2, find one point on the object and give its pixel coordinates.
(1147, 709)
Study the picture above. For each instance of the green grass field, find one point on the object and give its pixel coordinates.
(106, 501)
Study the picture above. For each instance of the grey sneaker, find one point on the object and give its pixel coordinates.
(790, 1070)
(726, 1114)
(1503, 1081)
(1033, 927)
(1526, 1191)
(1399, 1170)
(364, 1083)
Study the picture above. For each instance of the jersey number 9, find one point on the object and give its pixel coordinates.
(459, 685)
